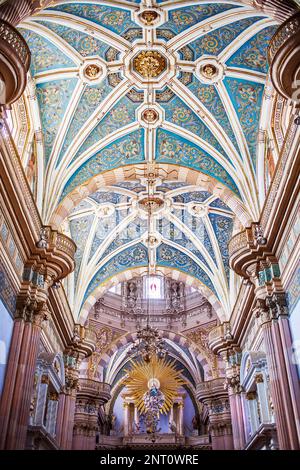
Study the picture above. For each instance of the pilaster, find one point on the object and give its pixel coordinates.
(18, 386)
(284, 385)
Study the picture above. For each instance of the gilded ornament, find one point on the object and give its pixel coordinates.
(209, 70)
(259, 378)
(45, 379)
(92, 71)
(149, 64)
(151, 203)
(150, 116)
(149, 17)
(158, 373)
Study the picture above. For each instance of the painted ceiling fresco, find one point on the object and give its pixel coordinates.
(201, 70)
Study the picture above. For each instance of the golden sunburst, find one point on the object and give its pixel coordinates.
(161, 372)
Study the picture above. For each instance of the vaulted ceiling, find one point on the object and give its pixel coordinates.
(126, 89)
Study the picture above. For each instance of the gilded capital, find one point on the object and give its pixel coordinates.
(251, 395)
(259, 378)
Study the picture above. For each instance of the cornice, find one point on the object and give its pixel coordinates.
(247, 248)
(46, 249)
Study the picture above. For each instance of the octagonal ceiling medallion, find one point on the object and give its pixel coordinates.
(145, 66)
(149, 64)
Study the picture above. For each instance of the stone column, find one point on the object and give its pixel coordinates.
(16, 397)
(52, 413)
(91, 394)
(263, 399)
(65, 416)
(67, 400)
(214, 396)
(180, 418)
(284, 385)
(252, 406)
(136, 419)
(42, 392)
(83, 345)
(237, 419)
(126, 418)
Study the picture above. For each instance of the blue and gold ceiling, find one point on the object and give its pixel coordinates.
(201, 71)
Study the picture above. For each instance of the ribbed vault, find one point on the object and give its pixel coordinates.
(114, 97)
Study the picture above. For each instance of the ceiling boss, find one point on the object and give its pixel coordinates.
(149, 64)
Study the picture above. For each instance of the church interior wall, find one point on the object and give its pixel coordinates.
(149, 182)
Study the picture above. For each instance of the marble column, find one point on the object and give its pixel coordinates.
(136, 419)
(237, 419)
(221, 435)
(126, 418)
(263, 398)
(252, 407)
(214, 396)
(65, 415)
(16, 397)
(180, 418)
(91, 394)
(284, 386)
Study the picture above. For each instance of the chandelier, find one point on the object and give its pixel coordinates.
(148, 344)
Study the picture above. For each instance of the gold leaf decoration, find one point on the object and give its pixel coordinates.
(162, 372)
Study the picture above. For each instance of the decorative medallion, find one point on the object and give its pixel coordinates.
(93, 71)
(149, 64)
(197, 209)
(105, 210)
(151, 203)
(149, 17)
(209, 70)
(153, 240)
(150, 116)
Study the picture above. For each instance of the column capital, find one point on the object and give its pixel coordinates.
(271, 308)
(32, 311)
(251, 395)
(234, 384)
(277, 305)
(259, 378)
(71, 385)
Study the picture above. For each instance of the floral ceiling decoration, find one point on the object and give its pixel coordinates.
(118, 86)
